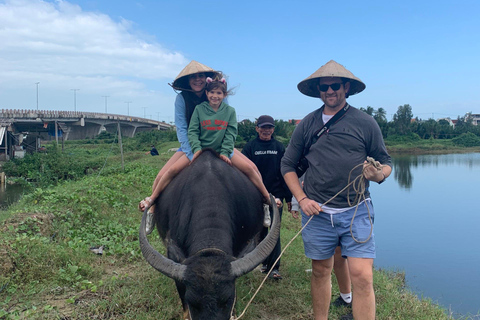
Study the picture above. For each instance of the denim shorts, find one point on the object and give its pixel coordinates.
(230, 156)
(325, 232)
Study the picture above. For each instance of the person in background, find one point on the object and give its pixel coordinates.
(153, 151)
(266, 153)
(337, 155)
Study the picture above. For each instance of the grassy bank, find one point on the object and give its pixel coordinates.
(431, 146)
(48, 271)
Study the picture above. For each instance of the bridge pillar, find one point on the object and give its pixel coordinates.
(128, 131)
(89, 131)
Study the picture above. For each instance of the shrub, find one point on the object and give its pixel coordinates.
(467, 140)
(50, 167)
(399, 139)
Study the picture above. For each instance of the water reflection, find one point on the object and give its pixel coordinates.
(426, 224)
(402, 172)
(403, 164)
(10, 193)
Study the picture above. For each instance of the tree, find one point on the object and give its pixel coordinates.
(369, 110)
(445, 130)
(246, 131)
(429, 129)
(380, 115)
(402, 119)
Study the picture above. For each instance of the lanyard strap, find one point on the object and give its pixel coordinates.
(327, 125)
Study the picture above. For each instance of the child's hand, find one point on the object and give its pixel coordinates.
(195, 156)
(146, 203)
(225, 158)
(294, 214)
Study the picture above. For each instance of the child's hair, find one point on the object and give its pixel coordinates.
(217, 82)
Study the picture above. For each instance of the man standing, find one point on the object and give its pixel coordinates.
(266, 153)
(343, 144)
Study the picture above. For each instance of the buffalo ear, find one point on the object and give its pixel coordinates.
(175, 253)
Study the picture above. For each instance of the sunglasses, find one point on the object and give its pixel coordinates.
(334, 86)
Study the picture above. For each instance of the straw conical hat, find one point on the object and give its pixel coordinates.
(330, 69)
(181, 81)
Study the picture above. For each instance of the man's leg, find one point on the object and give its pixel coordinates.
(270, 261)
(340, 267)
(321, 287)
(361, 273)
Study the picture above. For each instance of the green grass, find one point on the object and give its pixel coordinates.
(48, 272)
(431, 146)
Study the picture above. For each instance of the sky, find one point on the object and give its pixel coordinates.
(119, 56)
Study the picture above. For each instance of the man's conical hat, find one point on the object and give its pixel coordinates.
(181, 81)
(330, 69)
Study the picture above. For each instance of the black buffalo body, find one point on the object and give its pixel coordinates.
(209, 218)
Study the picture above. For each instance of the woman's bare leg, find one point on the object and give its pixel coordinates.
(169, 174)
(176, 163)
(166, 166)
(177, 155)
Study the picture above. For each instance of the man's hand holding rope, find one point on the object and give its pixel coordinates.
(309, 206)
(373, 170)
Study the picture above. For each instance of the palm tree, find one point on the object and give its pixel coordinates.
(381, 115)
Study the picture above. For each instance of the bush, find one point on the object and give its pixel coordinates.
(143, 140)
(467, 140)
(50, 167)
(400, 139)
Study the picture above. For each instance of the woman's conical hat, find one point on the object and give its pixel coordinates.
(181, 81)
(330, 69)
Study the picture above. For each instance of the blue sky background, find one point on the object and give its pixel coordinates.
(421, 53)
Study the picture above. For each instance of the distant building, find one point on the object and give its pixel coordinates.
(475, 119)
(295, 122)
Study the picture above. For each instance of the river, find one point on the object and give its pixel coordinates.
(427, 224)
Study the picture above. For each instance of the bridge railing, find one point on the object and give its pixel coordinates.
(56, 114)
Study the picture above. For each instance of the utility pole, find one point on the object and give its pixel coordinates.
(74, 99)
(128, 107)
(37, 93)
(120, 143)
(158, 116)
(144, 109)
(105, 103)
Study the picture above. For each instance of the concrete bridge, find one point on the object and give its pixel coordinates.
(29, 127)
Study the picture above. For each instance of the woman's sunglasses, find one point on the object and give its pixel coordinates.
(334, 86)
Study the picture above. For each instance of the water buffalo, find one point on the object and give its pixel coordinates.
(209, 218)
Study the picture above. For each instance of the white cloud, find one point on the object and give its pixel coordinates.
(63, 47)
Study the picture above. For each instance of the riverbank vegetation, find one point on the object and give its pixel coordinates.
(402, 134)
(49, 268)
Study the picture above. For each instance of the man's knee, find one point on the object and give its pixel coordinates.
(361, 273)
(321, 268)
(362, 279)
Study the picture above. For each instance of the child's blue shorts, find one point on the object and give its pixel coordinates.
(325, 232)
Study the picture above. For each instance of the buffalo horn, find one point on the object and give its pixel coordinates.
(251, 260)
(166, 266)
